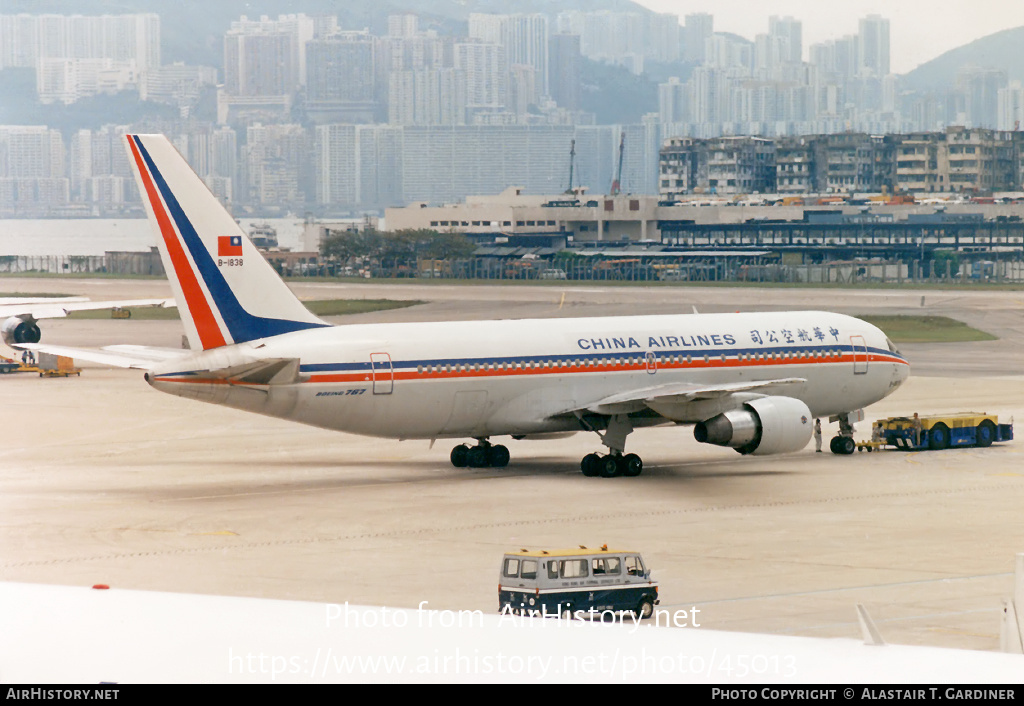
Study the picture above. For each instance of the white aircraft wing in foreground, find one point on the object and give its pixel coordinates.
(20, 315)
(750, 381)
(71, 635)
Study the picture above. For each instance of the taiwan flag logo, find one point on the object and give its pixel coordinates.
(229, 246)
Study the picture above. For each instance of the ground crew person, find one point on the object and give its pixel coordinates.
(917, 429)
(876, 432)
(817, 435)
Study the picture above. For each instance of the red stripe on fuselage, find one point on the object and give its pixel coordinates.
(697, 364)
(210, 335)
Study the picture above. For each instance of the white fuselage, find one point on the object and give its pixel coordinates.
(487, 378)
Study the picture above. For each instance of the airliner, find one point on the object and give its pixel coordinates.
(754, 382)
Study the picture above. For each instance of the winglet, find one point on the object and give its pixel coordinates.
(226, 292)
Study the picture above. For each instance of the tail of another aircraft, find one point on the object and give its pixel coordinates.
(226, 292)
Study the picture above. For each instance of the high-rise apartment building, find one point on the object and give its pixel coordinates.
(403, 25)
(32, 177)
(277, 171)
(341, 78)
(873, 46)
(524, 37)
(697, 30)
(25, 39)
(485, 68)
(565, 71)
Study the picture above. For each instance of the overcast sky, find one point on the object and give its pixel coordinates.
(919, 30)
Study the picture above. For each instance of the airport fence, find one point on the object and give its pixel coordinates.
(637, 270)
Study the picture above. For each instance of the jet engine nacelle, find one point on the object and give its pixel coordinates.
(767, 425)
(17, 330)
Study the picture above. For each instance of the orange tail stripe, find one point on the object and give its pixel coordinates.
(210, 335)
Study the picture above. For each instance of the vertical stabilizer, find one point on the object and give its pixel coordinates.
(226, 292)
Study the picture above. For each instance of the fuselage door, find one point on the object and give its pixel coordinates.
(652, 363)
(383, 373)
(860, 355)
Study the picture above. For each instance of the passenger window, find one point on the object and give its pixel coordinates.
(511, 568)
(573, 569)
(528, 569)
(552, 569)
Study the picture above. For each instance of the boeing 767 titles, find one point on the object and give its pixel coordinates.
(750, 381)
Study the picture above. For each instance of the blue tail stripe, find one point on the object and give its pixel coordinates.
(242, 325)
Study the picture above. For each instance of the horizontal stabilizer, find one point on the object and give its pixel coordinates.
(274, 371)
(152, 353)
(116, 359)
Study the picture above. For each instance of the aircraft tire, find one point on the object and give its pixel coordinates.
(608, 467)
(589, 465)
(846, 445)
(632, 465)
(498, 456)
(460, 456)
(833, 445)
(477, 457)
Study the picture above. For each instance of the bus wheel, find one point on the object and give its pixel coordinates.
(645, 609)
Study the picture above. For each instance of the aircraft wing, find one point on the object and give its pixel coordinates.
(675, 394)
(59, 308)
(21, 301)
(139, 357)
(111, 636)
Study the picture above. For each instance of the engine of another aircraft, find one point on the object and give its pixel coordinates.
(767, 425)
(16, 330)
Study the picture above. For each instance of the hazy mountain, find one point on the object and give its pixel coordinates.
(1002, 50)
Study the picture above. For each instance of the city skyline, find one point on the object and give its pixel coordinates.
(921, 30)
(418, 115)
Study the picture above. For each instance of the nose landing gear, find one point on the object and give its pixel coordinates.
(843, 444)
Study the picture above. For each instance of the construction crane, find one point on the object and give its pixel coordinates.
(617, 183)
(572, 161)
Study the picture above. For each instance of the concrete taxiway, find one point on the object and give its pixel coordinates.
(103, 480)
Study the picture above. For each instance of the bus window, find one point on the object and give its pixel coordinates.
(511, 568)
(608, 566)
(552, 569)
(528, 569)
(573, 569)
(634, 566)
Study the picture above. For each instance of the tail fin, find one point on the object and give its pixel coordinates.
(226, 292)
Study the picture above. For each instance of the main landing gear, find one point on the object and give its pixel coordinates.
(483, 455)
(611, 465)
(843, 444)
(615, 463)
